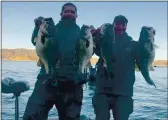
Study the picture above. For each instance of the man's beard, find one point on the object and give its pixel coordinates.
(119, 31)
(68, 17)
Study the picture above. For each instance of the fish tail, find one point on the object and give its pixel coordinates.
(147, 77)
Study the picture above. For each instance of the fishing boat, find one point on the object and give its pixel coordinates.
(11, 86)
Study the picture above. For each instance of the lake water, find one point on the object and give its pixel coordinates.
(149, 103)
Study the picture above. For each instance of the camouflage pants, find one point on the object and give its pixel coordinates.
(121, 106)
(68, 101)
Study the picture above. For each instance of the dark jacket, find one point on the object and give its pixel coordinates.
(67, 33)
(67, 38)
(125, 54)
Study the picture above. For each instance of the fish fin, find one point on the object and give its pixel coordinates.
(155, 46)
(35, 39)
(137, 67)
(151, 68)
(45, 65)
(88, 65)
(39, 63)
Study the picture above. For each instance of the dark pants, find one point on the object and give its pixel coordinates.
(121, 106)
(66, 97)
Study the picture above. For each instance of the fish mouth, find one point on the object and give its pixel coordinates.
(149, 31)
(151, 37)
(147, 35)
(44, 32)
(46, 29)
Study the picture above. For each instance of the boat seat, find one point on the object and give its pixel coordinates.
(9, 85)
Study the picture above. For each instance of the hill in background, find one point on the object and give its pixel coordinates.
(22, 54)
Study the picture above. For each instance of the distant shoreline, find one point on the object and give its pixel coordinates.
(93, 62)
(21, 60)
(21, 54)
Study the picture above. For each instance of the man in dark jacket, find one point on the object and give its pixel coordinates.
(116, 93)
(66, 96)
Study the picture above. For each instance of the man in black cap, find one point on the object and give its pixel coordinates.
(116, 93)
(67, 95)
